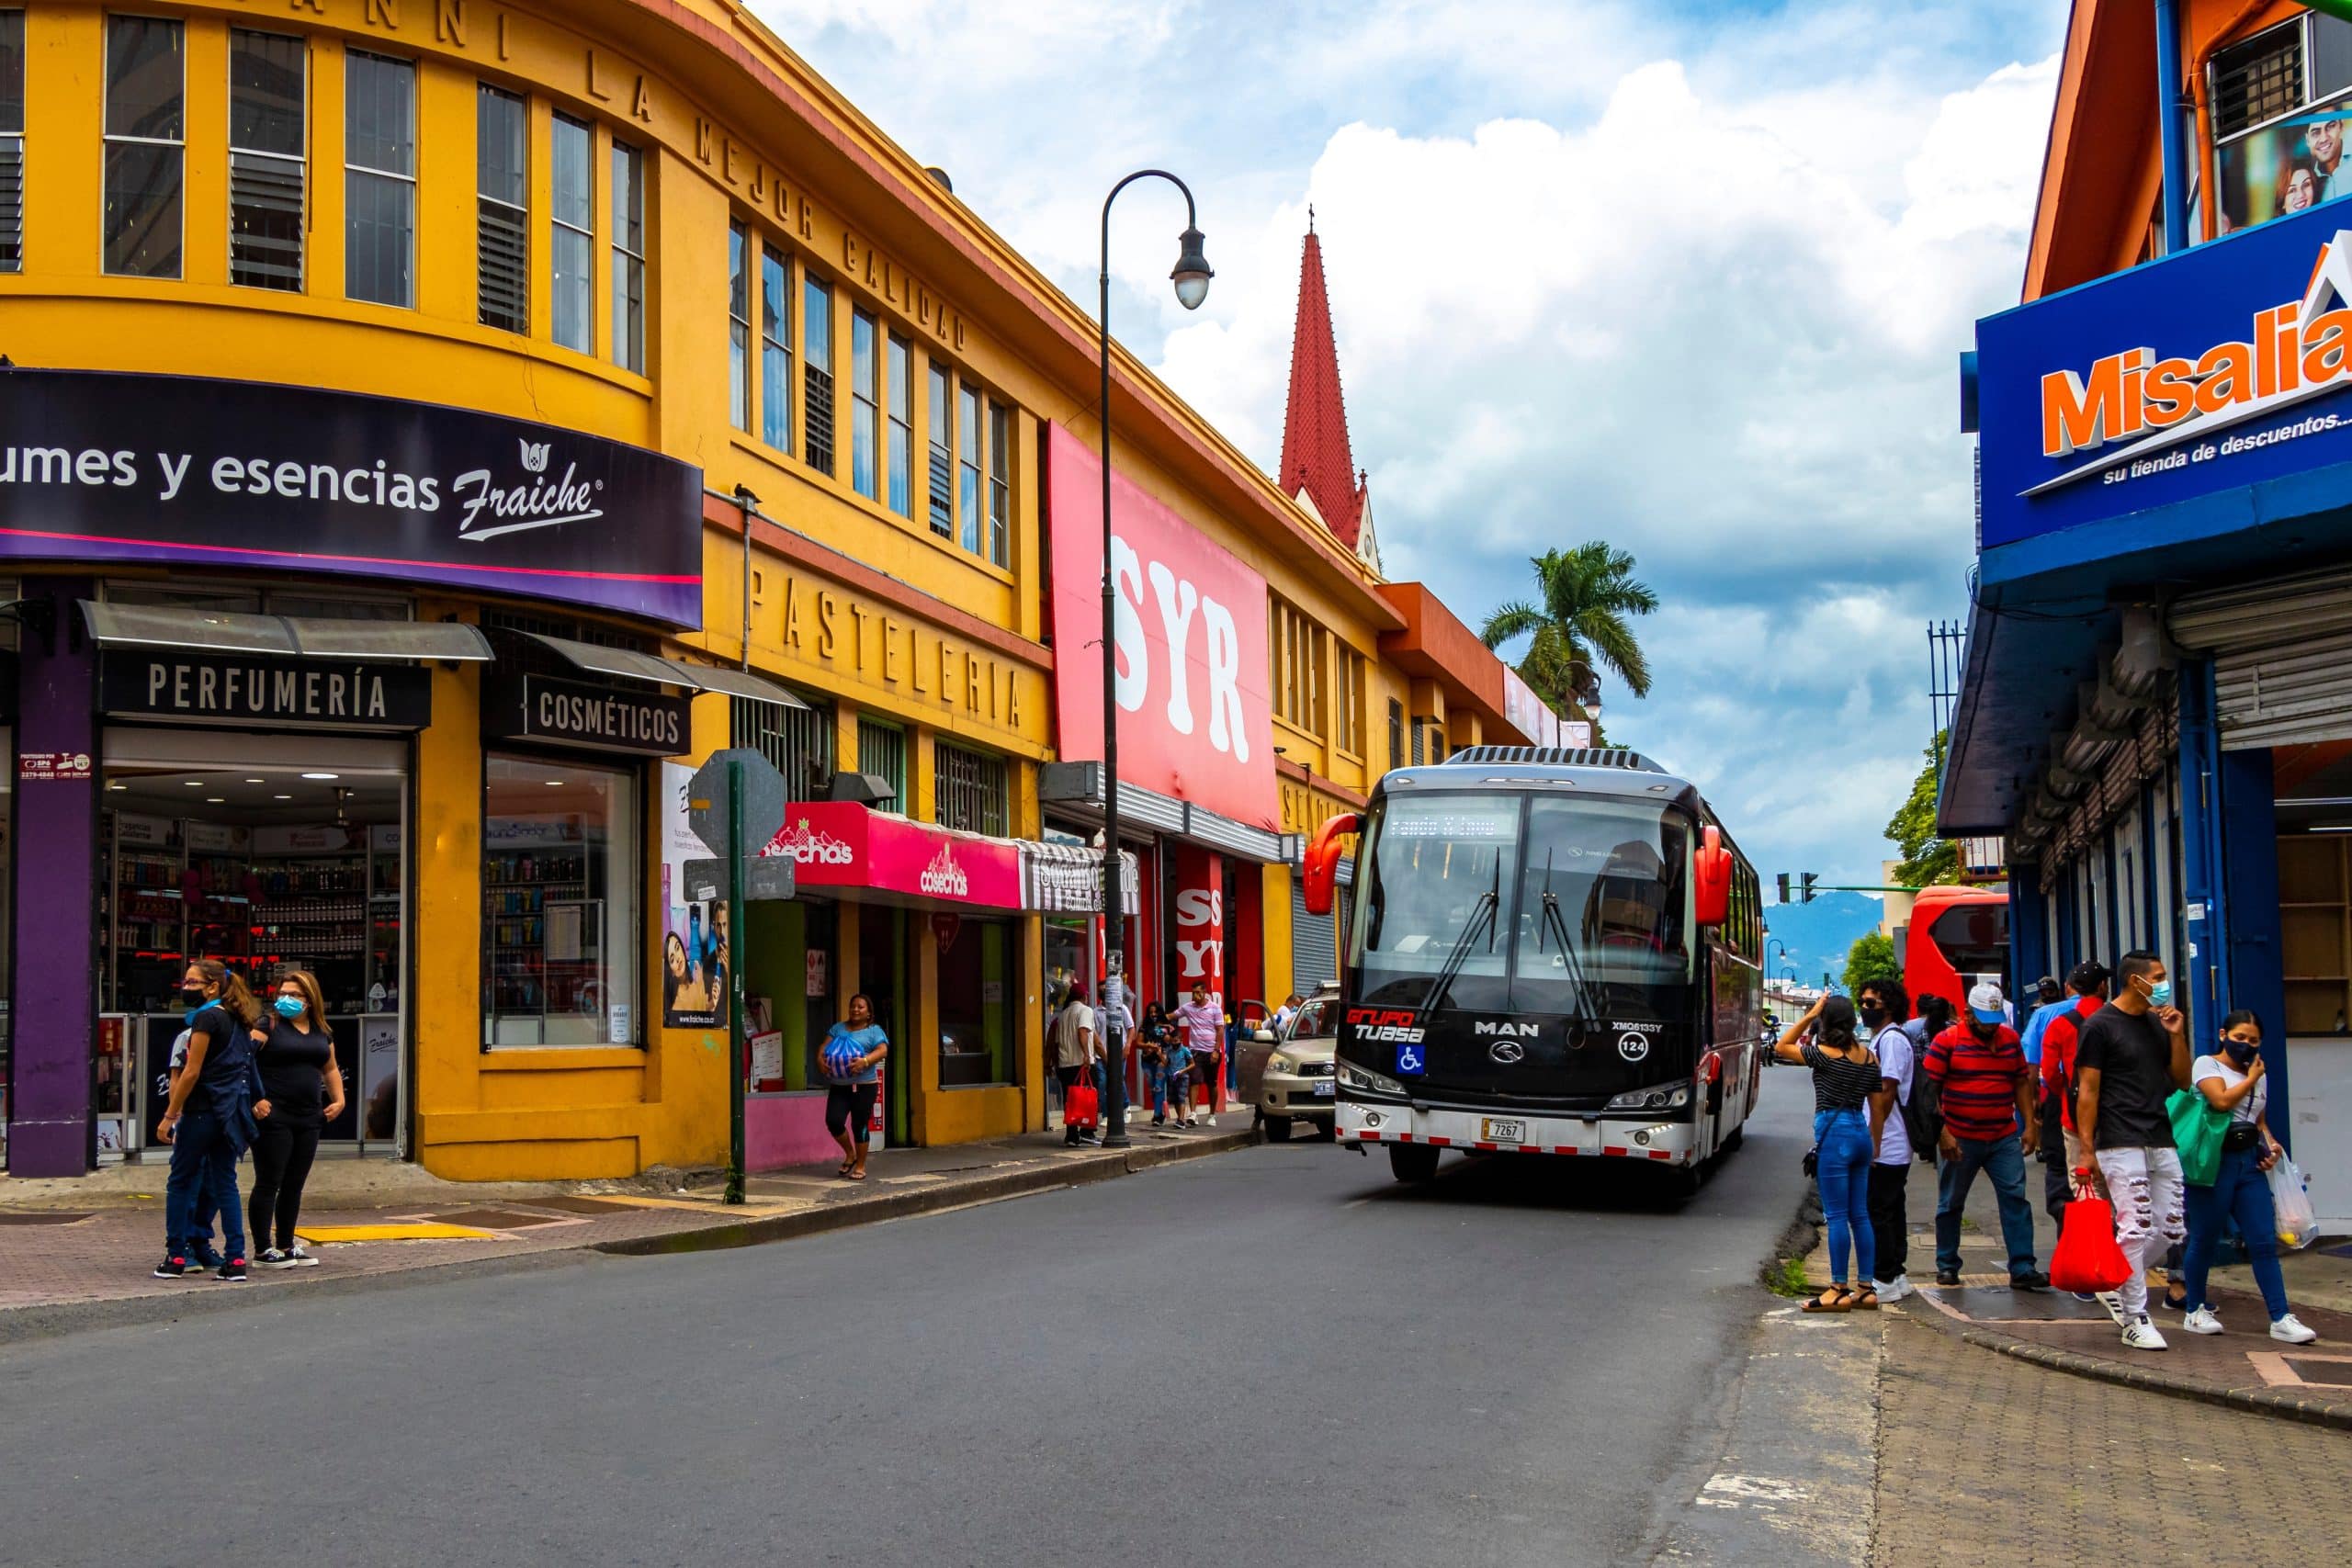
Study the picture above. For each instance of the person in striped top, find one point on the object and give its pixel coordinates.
(1990, 1124)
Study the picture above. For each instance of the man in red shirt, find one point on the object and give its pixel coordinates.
(2062, 1155)
(1986, 1096)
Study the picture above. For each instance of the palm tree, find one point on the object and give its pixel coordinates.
(1585, 597)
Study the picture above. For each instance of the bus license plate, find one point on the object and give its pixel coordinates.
(1324, 1088)
(1494, 1130)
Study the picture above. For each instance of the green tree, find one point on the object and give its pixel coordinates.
(1872, 958)
(1927, 859)
(1580, 616)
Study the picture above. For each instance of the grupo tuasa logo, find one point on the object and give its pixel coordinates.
(537, 502)
(943, 878)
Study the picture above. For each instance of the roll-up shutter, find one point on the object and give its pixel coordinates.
(1314, 944)
(2282, 658)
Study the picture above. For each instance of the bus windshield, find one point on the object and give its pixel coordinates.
(1545, 905)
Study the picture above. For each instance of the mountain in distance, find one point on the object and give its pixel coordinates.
(1819, 934)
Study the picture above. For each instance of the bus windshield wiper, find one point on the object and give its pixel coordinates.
(1482, 914)
(1588, 1014)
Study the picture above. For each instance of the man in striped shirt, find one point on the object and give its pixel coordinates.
(1990, 1124)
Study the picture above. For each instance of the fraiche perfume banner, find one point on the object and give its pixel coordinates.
(112, 467)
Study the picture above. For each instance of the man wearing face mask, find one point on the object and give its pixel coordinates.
(1990, 1124)
(2131, 1055)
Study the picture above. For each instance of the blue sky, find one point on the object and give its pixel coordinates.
(1689, 277)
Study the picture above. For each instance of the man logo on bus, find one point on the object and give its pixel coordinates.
(1633, 1045)
(1507, 1052)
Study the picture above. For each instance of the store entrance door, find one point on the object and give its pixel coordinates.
(271, 852)
(882, 976)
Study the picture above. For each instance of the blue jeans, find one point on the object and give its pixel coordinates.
(2003, 1159)
(202, 1183)
(2240, 1193)
(1844, 1172)
(1156, 1079)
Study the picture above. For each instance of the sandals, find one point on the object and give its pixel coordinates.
(854, 1175)
(1864, 1300)
(1836, 1298)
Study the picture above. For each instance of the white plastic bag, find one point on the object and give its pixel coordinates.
(2297, 1221)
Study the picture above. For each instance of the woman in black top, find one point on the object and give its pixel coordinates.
(1845, 1074)
(305, 1087)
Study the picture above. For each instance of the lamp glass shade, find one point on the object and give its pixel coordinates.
(1192, 271)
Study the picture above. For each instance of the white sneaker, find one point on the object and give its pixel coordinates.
(300, 1259)
(2202, 1321)
(1892, 1289)
(2114, 1305)
(2291, 1330)
(2141, 1334)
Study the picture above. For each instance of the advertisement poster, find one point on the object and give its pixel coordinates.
(694, 932)
(2283, 168)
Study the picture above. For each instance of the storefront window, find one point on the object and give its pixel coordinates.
(561, 931)
(975, 987)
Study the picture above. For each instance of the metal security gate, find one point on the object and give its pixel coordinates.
(1313, 943)
(2282, 658)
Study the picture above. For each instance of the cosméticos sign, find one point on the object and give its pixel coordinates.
(116, 467)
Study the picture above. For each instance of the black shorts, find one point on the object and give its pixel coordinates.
(848, 1104)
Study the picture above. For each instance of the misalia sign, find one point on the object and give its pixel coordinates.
(2220, 368)
(105, 466)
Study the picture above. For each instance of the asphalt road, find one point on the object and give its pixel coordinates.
(1278, 1353)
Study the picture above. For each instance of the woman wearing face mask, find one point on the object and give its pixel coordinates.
(305, 1085)
(2231, 1080)
(1844, 1075)
(209, 1122)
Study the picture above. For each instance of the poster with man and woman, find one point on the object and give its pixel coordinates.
(694, 953)
(2283, 168)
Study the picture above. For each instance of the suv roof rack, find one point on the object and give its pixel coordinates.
(1558, 756)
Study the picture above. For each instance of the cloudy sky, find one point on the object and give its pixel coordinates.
(1689, 276)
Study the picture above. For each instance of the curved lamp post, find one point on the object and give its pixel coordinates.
(1191, 277)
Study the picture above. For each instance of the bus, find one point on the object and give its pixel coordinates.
(1547, 952)
(1957, 936)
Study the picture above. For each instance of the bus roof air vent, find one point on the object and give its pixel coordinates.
(1558, 756)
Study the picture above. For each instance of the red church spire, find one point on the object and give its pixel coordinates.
(1315, 458)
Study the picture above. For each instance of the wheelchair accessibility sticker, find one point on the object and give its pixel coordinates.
(1409, 1062)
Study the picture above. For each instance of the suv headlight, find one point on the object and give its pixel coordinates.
(1652, 1098)
(1280, 1065)
(1369, 1081)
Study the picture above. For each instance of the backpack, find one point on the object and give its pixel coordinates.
(1923, 1113)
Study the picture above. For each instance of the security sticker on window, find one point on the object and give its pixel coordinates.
(1410, 1063)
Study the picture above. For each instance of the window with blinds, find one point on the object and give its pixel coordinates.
(502, 210)
(2258, 80)
(799, 741)
(882, 749)
(970, 790)
(268, 91)
(12, 141)
(943, 453)
(817, 373)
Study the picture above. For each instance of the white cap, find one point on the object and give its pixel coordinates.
(1985, 1001)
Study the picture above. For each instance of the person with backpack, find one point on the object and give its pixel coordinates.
(1991, 1122)
(1885, 1004)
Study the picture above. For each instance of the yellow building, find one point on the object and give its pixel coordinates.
(396, 383)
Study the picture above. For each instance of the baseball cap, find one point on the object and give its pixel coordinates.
(1985, 1001)
(2087, 976)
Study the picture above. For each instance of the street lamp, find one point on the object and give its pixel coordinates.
(1770, 943)
(1190, 277)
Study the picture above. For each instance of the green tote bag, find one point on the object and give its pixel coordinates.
(2196, 1131)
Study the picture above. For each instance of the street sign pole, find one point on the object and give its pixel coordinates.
(736, 928)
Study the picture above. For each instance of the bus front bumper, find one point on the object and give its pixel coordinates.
(1627, 1137)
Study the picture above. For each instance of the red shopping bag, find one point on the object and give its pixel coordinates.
(1080, 1105)
(2087, 1258)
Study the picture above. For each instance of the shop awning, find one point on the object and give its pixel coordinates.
(627, 665)
(222, 631)
(839, 846)
(1066, 879)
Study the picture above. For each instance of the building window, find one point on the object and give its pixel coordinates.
(901, 457)
(1395, 733)
(1001, 484)
(146, 149)
(1347, 708)
(268, 81)
(12, 141)
(799, 741)
(379, 179)
(967, 471)
(943, 454)
(2258, 80)
(1296, 647)
(775, 349)
(817, 373)
(977, 986)
(738, 326)
(628, 257)
(572, 233)
(2279, 119)
(864, 404)
(882, 749)
(560, 904)
(503, 212)
(969, 790)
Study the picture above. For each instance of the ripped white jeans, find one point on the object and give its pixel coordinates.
(2145, 1186)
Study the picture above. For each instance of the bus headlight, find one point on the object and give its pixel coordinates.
(1365, 1078)
(1652, 1098)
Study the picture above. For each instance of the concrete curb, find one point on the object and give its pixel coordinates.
(2282, 1403)
(1043, 1177)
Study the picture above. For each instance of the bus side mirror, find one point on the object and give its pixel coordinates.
(1323, 862)
(1711, 883)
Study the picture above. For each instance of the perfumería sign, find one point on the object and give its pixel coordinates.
(577, 713)
(116, 467)
(205, 688)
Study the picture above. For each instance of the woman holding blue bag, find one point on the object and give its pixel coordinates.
(2231, 1082)
(852, 1057)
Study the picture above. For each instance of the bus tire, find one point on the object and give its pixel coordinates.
(1731, 1144)
(1683, 1182)
(1412, 1162)
(1277, 1129)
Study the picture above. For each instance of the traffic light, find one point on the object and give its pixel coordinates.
(1784, 887)
(1810, 878)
